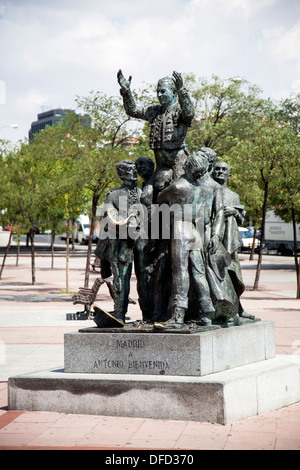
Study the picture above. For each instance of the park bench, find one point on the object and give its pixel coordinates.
(87, 296)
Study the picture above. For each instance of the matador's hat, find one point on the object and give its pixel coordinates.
(219, 261)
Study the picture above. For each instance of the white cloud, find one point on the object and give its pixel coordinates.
(295, 87)
(289, 44)
(53, 50)
(281, 48)
(245, 8)
(31, 100)
(283, 44)
(2, 92)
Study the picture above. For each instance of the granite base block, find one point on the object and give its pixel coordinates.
(222, 397)
(177, 354)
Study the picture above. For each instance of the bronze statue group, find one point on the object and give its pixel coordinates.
(179, 230)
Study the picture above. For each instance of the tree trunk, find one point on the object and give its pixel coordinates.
(67, 255)
(52, 248)
(32, 233)
(6, 253)
(251, 257)
(297, 266)
(262, 238)
(73, 237)
(298, 280)
(18, 251)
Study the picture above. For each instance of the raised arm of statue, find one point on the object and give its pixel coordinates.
(184, 99)
(129, 103)
(178, 80)
(124, 84)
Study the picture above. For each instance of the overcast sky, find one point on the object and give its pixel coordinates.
(53, 50)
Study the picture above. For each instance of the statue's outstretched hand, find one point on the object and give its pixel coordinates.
(178, 80)
(124, 84)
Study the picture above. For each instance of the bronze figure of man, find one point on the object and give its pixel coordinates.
(169, 121)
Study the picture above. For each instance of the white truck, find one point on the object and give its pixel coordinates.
(81, 231)
(279, 235)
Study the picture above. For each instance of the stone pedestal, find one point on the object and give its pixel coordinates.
(198, 354)
(217, 376)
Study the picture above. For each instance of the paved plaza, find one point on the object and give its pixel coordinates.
(34, 319)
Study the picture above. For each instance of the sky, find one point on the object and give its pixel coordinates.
(54, 50)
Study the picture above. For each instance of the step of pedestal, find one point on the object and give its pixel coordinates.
(222, 397)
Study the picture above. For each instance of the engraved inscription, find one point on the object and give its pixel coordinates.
(131, 343)
(133, 349)
(148, 365)
(109, 364)
(132, 364)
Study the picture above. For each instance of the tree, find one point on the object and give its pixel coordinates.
(3, 209)
(23, 197)
(63, 187)
(285, 200)
(222, 111)
(288, 111)
(37, 177)
(260, 156)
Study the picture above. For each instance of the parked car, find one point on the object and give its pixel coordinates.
(247, 240)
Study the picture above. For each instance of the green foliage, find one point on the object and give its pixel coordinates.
(286, 198)
(288, 111)
(222, 111)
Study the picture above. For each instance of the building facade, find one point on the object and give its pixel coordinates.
(50, 118)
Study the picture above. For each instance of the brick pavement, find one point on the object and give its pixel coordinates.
(32, 324)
